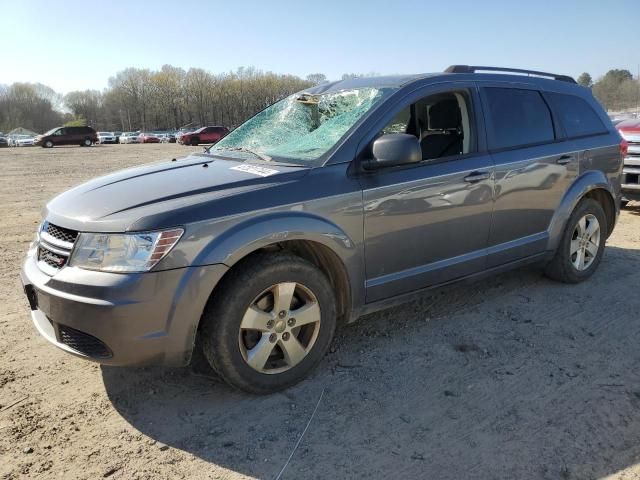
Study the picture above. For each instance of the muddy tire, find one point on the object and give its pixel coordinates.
(269, 323)
(582, 244)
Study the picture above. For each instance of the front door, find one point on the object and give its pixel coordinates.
(58, 136)
(428, 223)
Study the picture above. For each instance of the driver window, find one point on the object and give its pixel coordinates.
(400, 123)
(60, 131)
(441, 122)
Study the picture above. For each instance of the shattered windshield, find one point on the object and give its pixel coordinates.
(302, 127)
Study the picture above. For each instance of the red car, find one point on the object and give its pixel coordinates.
(204, 135)
(630, 131)
(148, 138)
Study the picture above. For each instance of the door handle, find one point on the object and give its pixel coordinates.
(564, 159)
(474, 177)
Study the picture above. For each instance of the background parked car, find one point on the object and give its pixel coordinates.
(204, 135)
(83, 136)
(24, 141)
(4, 142)
(128, 137)
(107, 137)
(630, 131)
(148, 138)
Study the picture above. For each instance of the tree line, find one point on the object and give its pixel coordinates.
(143, 99)
(171, 97)
(616, 90)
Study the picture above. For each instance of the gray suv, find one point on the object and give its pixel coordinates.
(337, 201)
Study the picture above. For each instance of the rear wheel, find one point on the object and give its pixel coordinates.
(270, 323)
(582, 244)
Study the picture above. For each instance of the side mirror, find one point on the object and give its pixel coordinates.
(394, 149)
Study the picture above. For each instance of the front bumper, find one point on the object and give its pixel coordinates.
(121, 319)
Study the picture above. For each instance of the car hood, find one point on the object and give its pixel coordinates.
(152, 196)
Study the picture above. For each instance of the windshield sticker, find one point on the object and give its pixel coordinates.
(256, 170)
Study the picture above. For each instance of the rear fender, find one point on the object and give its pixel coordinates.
(591, 180)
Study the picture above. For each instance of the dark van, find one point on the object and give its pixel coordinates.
(83, 136)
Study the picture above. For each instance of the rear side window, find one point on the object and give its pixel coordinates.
(518, 117)
(576, 115)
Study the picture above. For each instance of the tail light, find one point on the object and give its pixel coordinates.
(624, 147)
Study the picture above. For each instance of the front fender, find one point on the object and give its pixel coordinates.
(590, 180)
(252, 234)
(235, 243)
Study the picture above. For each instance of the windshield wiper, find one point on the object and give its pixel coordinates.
(261, 156)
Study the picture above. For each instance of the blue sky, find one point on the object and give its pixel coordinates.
(72, 45)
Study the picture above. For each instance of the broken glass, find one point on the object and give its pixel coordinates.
(302, 126)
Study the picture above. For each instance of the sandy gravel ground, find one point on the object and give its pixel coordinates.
(512, 377)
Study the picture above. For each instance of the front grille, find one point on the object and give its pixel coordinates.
(61, 233)
(83, 342)
(52, 259)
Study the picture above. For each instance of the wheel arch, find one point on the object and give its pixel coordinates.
(592, 184)
(312, 238)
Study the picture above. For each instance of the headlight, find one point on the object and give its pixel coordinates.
(123, 252)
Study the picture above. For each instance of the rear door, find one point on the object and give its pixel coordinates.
(534, 165)
(72, 136)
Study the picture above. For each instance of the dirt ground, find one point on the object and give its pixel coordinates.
(512, 377)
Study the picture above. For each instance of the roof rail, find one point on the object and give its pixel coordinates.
(475, 68)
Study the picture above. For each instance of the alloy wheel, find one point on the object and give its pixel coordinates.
(585, 242)
(279, 328)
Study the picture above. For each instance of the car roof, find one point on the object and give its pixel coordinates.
(398, 81)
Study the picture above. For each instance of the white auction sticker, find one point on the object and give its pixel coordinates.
(256, 170)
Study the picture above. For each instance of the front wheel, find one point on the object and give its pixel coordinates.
(582, 244)
(270, 323)
(48, 144)
(194, 142)
(87, 142)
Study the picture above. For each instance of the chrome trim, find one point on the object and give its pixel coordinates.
(630, 137)
(630, 186)
(632, 161)
(47, 269)
(55, 249)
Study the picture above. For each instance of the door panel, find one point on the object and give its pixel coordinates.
(529, 185)
(533, 164)
(425, 225)
(58, 137)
